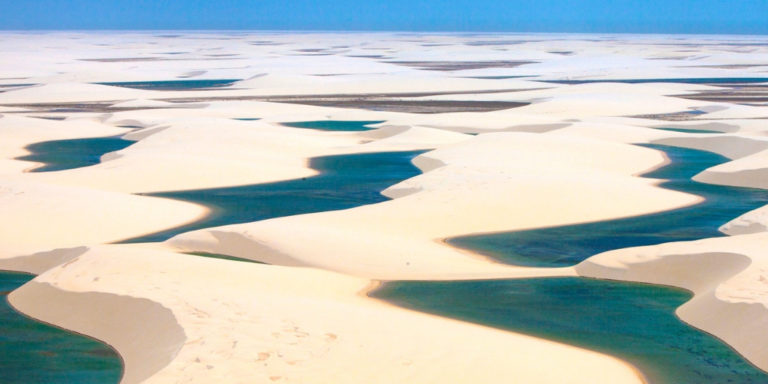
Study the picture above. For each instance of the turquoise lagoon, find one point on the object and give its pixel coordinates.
(174, 85)
(59, 155)
(334, 125)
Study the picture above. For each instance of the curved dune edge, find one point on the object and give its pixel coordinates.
(754, 221)
(244, 323)
(727, 276)
(40, 217)
(749, 178)
(117, 320)
(516, 183)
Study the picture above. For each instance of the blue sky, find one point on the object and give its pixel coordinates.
(623, 16)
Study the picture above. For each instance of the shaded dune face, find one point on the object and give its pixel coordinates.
(146, 333)
(34, 352)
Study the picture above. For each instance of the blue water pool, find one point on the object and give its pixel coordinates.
(59, 155)
(334, 125)
(174, 85)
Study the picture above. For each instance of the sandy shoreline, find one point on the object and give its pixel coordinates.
(550, 155)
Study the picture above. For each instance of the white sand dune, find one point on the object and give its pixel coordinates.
(586, 105)
(143, 103)
(749, 171)
(754, 221)
(70, 92)
(564, 159)
(49, 216)
(281, 325)
(740, 112)
(407, 83)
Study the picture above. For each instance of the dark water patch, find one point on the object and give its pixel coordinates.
(247, 118)
(124, 60)
(32, 352)
(54, 118)
(569, 245)
(499, 77)
(686, 130)
(699, 80)
(368, 56)
(174, 85)
(59, 155)
(408, 105)
(265, 42)
(635, 322)
(16, 85)
(310, 50)
(673, 116)
(486, 43)
(460, 65)
(345, 181)
(335, 125)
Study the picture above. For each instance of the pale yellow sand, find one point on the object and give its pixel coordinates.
(751, 222)
(250, 323)
(749, 171)
(226, 321)
(39, 217)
